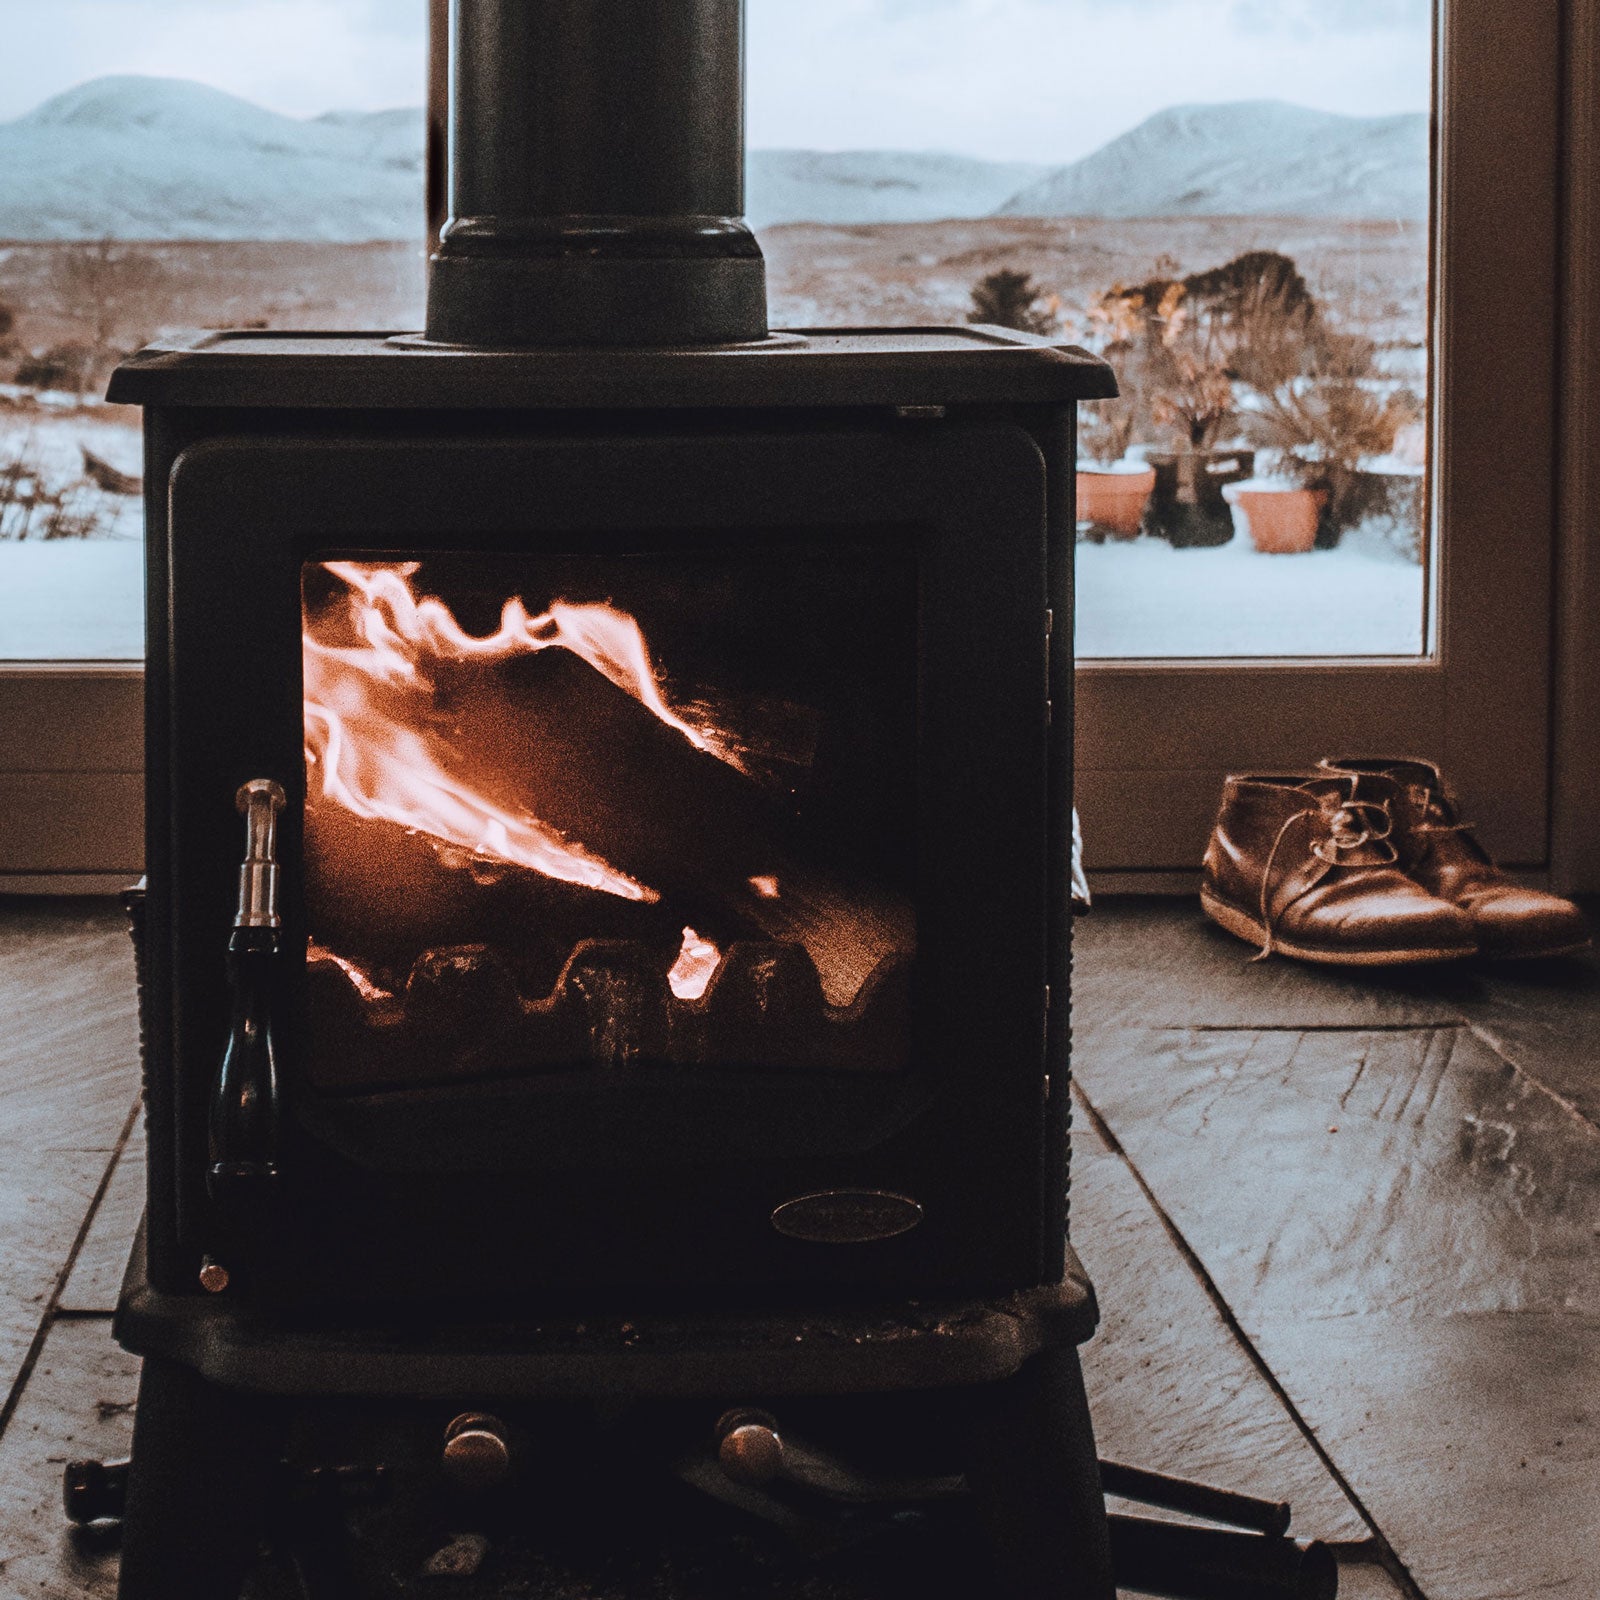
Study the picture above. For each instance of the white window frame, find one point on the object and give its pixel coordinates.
(1156, 738)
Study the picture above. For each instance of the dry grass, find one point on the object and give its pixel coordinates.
(1371, 276)
(38, 504)
(240, 284)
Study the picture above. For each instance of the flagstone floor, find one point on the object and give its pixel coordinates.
(1346, 1235)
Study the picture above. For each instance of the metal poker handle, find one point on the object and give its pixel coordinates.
(259, 801)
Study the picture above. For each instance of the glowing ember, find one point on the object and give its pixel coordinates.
(368, 744)
(363, 985)
(692, 971)
(766, 887)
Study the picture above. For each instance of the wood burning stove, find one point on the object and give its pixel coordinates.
(650, 973)
(677, 822)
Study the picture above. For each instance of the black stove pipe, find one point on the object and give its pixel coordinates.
(596, 177)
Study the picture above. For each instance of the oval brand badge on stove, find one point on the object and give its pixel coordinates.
(847, 1216)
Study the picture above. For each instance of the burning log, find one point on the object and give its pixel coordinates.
(548, 746)
(459, 1015)
(591, 761)
(382, 894)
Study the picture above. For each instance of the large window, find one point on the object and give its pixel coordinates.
(1317, 240)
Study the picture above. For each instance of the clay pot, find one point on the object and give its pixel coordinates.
(1187, 508)
(1282, 519)
(1111, 500)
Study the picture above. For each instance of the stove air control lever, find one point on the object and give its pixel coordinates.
(243, 1131)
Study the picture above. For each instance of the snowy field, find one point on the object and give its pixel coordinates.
(82, 599)
(72, 599)
(1144, 599)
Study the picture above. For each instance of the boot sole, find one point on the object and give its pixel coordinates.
(1538, 955)
(1252, 932)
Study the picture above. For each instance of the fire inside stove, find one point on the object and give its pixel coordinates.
(610, 811)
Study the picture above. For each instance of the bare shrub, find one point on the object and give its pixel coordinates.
(113, 295)
(1010, 299)
(1181, 344)
(63, 366)
(33, 506)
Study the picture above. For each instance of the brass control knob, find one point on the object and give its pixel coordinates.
(477, 1452)
(749, 1447)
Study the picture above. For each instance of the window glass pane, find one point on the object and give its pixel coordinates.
(1229, 198)
(617, 811)
(168, 164)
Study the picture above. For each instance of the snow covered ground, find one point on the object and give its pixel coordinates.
(72, 600)
(1145, 599)
(82, 599)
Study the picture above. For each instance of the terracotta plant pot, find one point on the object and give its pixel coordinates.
(1281, 518)
(1111, 500)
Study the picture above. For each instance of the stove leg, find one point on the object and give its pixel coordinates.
(198, 1486)
(1036, 1480)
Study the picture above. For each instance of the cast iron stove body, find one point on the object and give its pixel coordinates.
(727, 868)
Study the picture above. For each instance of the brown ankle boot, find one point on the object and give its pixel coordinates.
(1438, 851)
(1305, 864)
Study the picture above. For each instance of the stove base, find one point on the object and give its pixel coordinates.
(838, 1350)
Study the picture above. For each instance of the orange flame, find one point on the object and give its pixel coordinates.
(365, 753)
(692, 972)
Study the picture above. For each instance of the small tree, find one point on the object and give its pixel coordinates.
(112, 295)
(1181, 344)
(1010, 299)
(1193, 391)
(1324, 418)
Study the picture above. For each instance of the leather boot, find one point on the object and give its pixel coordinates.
(1438, 851)
(1305, 864)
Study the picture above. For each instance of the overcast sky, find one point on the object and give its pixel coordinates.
(1042, 80)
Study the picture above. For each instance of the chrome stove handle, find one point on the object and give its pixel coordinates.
(259, 802)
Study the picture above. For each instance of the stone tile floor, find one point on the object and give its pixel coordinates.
(1344, 1232)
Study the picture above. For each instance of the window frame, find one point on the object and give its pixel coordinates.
(1155, 739)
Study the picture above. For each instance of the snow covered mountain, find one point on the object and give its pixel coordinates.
(877, 185)
(149, 158)
(162, 158)
(1248, 158)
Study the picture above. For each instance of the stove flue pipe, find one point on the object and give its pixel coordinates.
(596, 177)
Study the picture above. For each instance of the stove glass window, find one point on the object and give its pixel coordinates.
(596, 812)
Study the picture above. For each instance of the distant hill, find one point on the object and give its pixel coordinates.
(145, 158)
(877, 185)
(1248, 158)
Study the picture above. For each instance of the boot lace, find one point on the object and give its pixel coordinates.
(1352, 824)
(1434, 817)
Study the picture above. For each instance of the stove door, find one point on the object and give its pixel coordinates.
(607, 817)
(667, 843)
